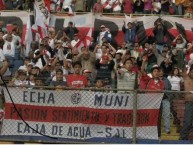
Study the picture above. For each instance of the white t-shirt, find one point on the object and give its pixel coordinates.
(156, 6)
(175, 82)
(9, 48)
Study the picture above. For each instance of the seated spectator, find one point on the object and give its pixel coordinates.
(39, 83)
(60, 82)
(77, 80)
(20, 78)
(99, 84)
(87, 73)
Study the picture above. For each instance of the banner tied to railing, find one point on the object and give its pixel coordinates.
(79, 114)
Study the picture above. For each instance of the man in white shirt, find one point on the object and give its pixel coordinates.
(9, 49)
(75, 41)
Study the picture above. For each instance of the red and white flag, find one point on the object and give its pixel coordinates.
(87, 39)
(27, 36)
(39, 27)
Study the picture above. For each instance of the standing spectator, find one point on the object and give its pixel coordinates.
(117, 4)
(86, 58)
(104, 69)
(138, 7)
(130, 33)
(8, 4)
(80, 6)
(128, 6)
(98, 7)
(180, 42)
(18, 4)
(105, 33)
(159, 34)
(75, 41)
(188, 115)
(3, 63)
(70, 30)
(107, 6)
(147, 6)
(90, 4)
(9, 49)
(165, 102)
(176, 80)
(77, 80)
(126, 78)
(165, 4)
(156, 7)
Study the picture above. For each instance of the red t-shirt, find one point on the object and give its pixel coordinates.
(76, 81)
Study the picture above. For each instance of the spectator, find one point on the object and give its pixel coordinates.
(3, 63)
(90, 4)
(104, 69)
(138, 7)
(117, 4)
(165, 102)
(188, 115)
(20, 78)
(130, 33)
(39, 82)
(8, 4)
(89, 77)
(156, 7)
(128, 6)
(180, 42)
(147, 6)
(71, 30)
(165, 4)
(107, 6)
(1, 39)
(126, 78)
(9, 49)
(80, 6)
(86, 58)
(75, 41)
(159, 34)
(98, 7)
(99, 83)
(105, 33)
(60, 81)
(77, 80)
(176, 80)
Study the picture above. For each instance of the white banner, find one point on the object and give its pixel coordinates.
(80, 114)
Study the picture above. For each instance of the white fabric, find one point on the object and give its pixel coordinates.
(175, 82)
(9, 48)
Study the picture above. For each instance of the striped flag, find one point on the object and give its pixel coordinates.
(39, 27)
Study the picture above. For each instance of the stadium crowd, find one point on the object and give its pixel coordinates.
(176, 7)
(55, 61)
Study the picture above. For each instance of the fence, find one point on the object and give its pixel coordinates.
(91, 115)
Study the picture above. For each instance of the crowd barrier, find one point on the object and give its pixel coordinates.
(47, 115)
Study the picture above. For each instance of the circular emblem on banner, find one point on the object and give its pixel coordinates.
(76, 98)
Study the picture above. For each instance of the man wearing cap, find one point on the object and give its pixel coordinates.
(105, 32)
